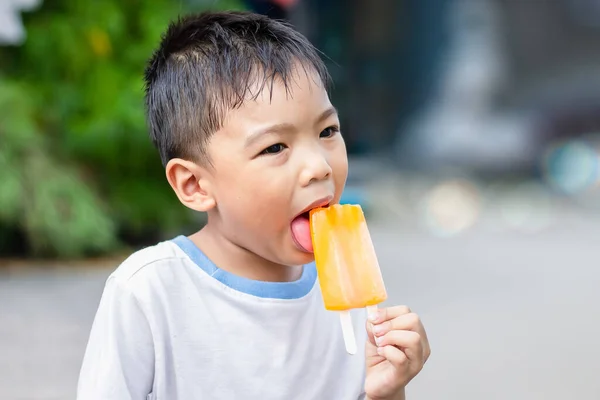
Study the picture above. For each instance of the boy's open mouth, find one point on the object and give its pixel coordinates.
(301, 225)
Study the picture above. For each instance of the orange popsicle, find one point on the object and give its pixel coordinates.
(346, 262)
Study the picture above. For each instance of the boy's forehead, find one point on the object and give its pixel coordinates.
(269, 87)
(300, 94)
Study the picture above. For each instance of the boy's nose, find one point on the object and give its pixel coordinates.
(316, 168)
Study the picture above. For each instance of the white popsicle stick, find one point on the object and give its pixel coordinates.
(348, 332)
(372, 310)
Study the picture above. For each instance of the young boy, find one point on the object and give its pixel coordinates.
(238, 109)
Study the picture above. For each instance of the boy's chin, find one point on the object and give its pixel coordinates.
(301, 257)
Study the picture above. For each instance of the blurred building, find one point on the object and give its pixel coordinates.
(513, 75)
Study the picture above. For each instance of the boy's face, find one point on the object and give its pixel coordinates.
(273, 159)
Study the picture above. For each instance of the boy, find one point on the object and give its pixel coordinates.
(238, 109)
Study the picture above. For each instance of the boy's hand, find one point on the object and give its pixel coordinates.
(401, 352)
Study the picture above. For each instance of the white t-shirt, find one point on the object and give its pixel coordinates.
(173, 326)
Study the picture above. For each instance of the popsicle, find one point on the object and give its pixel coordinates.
(347, 265)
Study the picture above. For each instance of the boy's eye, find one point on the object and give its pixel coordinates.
(274, 149)
(329, 132)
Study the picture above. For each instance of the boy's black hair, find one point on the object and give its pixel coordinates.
(205, 66)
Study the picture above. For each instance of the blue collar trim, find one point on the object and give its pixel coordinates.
(270, 290)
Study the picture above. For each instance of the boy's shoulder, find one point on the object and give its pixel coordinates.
(148, 260)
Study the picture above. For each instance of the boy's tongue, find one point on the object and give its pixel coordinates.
(301, 232)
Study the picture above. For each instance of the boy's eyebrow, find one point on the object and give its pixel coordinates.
(277, 128)
(326, 114)
(286, 127)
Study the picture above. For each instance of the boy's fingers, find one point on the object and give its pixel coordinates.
(395, 356)
(410, 343)
(406, 322)
(370, 334)
(385, 314)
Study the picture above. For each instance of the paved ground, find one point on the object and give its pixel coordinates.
(511, 315)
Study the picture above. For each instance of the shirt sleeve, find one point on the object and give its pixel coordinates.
(119, 358)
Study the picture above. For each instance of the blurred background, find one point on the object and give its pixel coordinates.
(473, 128)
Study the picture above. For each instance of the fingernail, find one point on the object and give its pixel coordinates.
(377, 329)
(380, 351)
(377, 340)
(373, 316)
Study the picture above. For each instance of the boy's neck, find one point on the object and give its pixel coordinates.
(237, 260)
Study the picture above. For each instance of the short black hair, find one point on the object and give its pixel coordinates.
(205, 65)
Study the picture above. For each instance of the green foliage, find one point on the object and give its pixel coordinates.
(57, 209)
(77, 170)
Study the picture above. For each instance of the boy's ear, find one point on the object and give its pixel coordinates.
(191, 183)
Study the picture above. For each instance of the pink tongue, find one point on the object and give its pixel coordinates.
(301, 232)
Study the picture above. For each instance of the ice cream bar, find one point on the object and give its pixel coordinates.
(347, 266)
